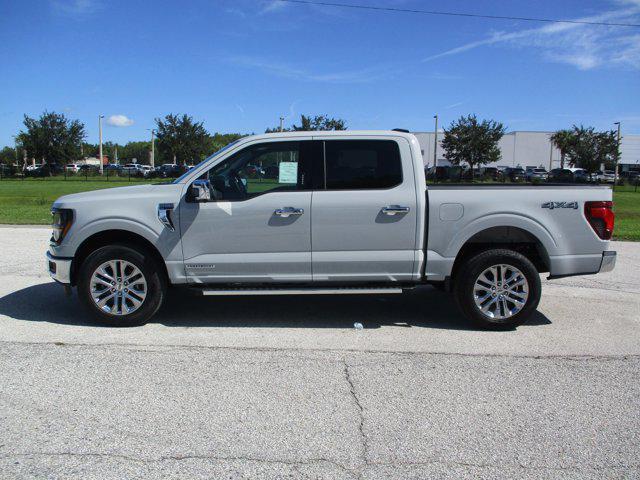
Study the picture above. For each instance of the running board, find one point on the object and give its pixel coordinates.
(302, 291)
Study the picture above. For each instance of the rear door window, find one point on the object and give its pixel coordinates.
(362, 164)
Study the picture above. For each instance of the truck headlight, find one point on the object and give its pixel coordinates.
(61, 220)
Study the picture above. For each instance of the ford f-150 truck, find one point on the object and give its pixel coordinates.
(325, 213)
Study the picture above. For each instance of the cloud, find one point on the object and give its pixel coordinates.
(584, 47)
(273, 6)
(76, 8)
(119, 121)
(296, 73)
(453, 105)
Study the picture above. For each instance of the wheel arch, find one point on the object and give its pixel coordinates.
(111, 237)
(504, 237)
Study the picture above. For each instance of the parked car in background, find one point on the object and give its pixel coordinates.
(88, 169)
(536, 173)
(580, 175)
(490, 173)
(72, 168)
(32, 167)
(146, 170)
(561, 175)
(169, 170)
(515, 174)
(44, 170)
(133, 169)
(608, 176)
(435, 173)
(500, 174)
(113, 167)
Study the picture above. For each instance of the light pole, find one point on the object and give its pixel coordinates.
(435, 143)
(100, 117)
(615, 178)
(153, 147)
(281, 124)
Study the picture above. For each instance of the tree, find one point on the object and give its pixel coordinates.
(7, 156)
(90, 150)
(180, 139)
(589, 149)
(138, 151)
(219, 140)
(562, 140)
(52, 138)
(469, 141)
(316, 123)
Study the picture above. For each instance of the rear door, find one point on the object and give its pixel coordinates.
(363, 219)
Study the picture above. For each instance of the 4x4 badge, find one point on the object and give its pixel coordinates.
(553, 205)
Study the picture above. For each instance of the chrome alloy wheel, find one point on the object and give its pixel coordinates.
(501, 291)
(118, 287)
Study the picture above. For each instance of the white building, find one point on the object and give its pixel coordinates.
(530, 149)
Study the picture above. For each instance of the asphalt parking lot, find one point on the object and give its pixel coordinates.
(285, 387)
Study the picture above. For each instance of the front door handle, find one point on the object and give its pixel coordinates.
(394, 209)
(288, 211)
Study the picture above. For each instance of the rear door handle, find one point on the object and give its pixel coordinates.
(288, 211)
(394, 209)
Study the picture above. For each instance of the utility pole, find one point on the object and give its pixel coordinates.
(153, 147)
(100, 117)
(615, 181)
(281, 124)
(550, 155)
(435, 143)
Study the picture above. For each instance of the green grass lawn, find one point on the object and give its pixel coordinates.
(626, 203)
(29, 201)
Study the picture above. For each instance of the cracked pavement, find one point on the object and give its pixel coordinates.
(286, 388)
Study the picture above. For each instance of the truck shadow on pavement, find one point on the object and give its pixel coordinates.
(423, 307)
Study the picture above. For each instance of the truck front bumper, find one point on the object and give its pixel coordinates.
(59, 268)
(608, 261)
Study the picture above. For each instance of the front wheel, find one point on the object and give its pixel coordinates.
(497, 289)
(121, 286)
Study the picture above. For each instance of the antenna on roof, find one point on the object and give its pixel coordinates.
(403, 130)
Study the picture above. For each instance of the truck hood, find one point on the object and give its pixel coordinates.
(118, 194)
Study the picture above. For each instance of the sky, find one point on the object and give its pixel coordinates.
(238, 65)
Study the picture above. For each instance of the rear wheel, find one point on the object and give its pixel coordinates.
(121, 286)
(498, 289)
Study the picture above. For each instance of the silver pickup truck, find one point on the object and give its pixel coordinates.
(325, 213)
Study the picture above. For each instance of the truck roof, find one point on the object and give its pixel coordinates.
(332, 133)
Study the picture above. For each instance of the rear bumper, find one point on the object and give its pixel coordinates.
(59, 268)
(608, 261)
(572, 265)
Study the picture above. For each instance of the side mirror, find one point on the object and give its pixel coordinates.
(200, 191)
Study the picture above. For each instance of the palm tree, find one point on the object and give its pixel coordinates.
(563, 139)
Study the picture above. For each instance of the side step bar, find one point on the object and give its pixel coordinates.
(302, 291)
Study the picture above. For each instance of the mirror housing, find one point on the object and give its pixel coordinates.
(200, 191)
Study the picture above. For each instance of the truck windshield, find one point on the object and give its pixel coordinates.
(223, 149)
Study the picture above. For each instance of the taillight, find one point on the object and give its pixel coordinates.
(601, 217)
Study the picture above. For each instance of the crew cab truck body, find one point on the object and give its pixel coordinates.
(325, 213)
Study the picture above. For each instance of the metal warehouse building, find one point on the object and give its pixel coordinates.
(530, 149)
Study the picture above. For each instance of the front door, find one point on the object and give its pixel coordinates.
(364, 220)
(256, 228)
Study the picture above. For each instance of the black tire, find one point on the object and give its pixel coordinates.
(470, 271)
(155, 279)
